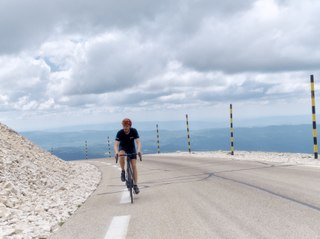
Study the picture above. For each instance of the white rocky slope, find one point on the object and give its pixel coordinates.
(301, 159)
(38, 191)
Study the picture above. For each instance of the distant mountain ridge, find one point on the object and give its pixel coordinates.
(280, 138)
(141, 125)
(194, 124)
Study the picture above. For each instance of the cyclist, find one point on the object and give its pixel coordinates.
(126, 139)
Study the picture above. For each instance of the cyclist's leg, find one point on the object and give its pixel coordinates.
(122, 163)
(121, 159)
(135, 175)
(135, 170)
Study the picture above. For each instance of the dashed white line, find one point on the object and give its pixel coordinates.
(125, 198)
(118, 228)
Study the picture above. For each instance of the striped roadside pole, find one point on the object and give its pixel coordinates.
(188, 132)
(314, 124)
(231, 132)
(109, 147)
(158, 139)
(86, 149)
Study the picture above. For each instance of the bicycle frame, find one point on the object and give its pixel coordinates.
(129, 174)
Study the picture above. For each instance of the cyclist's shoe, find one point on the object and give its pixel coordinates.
(136, 189)
(123, 176)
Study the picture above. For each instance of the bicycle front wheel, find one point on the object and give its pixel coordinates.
(130, 183)
(131, 194)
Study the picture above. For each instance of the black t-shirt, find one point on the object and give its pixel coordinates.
(127, 140)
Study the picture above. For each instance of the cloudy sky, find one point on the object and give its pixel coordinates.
(86, 62)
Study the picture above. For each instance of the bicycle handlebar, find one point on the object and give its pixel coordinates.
(117, 156)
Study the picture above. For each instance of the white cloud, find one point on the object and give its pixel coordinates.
(23, 77)
(266, 37)
(73, 57)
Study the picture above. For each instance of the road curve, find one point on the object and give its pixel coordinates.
(188, 197)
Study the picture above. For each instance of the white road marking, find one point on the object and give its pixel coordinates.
(125, 198)
(118, 228)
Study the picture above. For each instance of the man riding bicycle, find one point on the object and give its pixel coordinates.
(125, 144)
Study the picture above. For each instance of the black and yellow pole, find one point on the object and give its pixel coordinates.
(188, 132)
(109, 147)
(231, 132)
(314, 124)
(158, 139)
(86, 149)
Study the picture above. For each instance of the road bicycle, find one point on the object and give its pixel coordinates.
(129, 175)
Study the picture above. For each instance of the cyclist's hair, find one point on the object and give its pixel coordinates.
(126, 121)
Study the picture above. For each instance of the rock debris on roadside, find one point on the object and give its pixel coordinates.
(38, 191)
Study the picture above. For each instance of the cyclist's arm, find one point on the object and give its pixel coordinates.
(116, 147)
(138, 143)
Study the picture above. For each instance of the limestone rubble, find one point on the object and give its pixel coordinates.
(38, 191)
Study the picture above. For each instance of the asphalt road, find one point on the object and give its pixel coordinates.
(188, 197)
